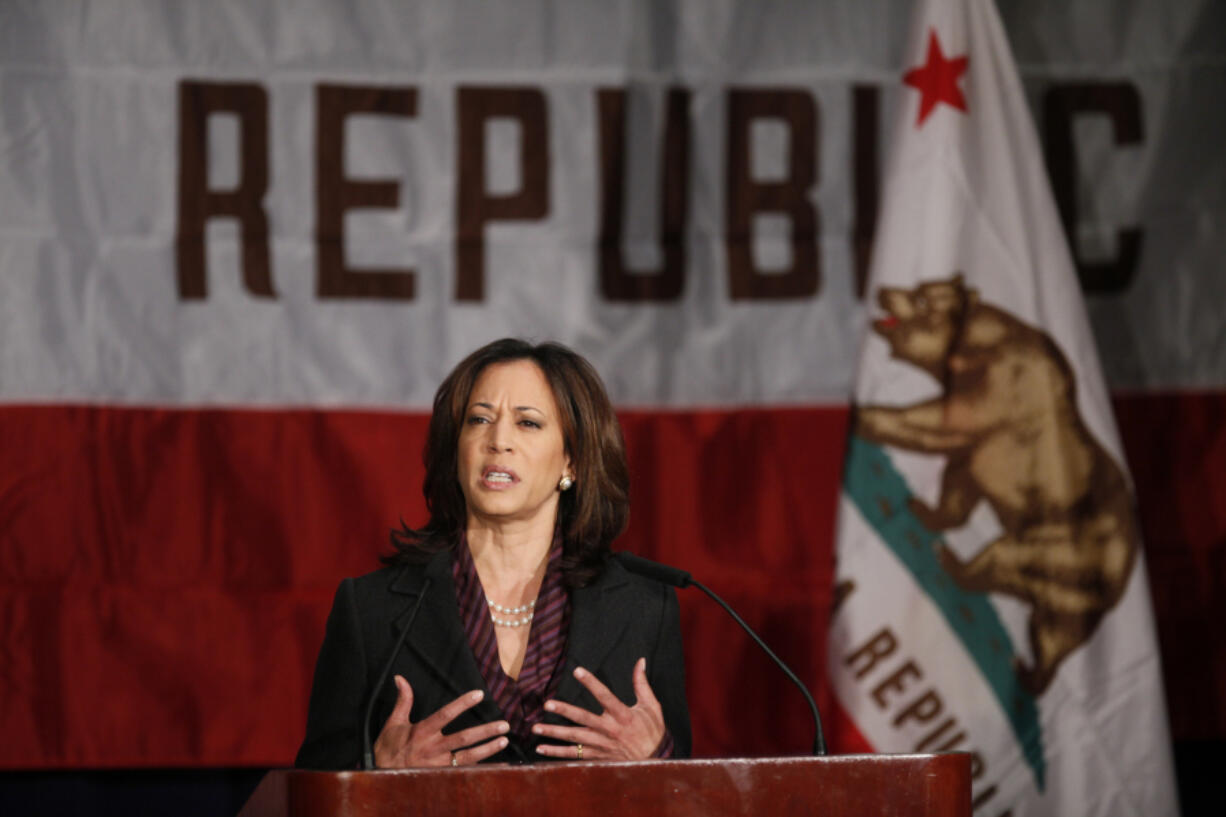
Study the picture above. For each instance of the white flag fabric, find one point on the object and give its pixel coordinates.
(991, 591)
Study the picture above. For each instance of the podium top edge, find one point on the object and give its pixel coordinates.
(907, 759)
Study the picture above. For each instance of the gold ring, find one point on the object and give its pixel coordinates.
(579, 751)
(454, 762)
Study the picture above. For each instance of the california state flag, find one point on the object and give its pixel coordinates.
(992, 595)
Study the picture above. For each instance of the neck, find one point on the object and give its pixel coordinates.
(510, 559)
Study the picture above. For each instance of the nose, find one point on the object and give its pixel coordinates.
(500, 436)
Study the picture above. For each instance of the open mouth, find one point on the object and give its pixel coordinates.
(497, 477)
(885, 324)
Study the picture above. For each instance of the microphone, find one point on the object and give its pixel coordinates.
(368, 747)
(677, 577)
(665, 574)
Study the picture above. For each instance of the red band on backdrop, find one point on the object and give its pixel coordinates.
(165, 574)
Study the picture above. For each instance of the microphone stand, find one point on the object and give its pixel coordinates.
(368, 750)
(680, 578)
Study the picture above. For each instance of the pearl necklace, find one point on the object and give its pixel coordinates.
(495, 608)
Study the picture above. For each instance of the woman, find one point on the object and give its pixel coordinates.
(530, 642)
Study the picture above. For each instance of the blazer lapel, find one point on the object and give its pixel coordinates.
(437, 649)
(598, 620)
(437, 644)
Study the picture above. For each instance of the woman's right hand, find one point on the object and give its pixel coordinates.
(402, 744)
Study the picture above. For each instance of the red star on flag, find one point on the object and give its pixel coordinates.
(937, 80)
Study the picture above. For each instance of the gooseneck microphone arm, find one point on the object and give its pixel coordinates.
(368, 748)
(680, 578)
(819, 740)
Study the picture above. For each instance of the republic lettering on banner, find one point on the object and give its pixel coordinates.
(747, 196)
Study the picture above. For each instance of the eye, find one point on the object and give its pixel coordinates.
(477, 419)
(530, 423)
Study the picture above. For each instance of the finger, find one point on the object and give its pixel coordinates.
(568, 752)
(573, 713)
(476, 754)
(397, 728)
(599, 691)
(573, 734)
(642, 689)
(449, 712)
(475, 734)
(404, 702)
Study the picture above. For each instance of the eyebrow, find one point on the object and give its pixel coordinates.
(490, 406)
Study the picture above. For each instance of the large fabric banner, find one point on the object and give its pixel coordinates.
(241, 243)
(992, 589)
(252, 203)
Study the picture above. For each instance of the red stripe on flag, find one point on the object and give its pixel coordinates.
(165, 574)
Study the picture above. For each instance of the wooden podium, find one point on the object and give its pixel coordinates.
(838, 786)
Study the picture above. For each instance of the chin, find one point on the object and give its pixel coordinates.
(497, 506)
(492, 511)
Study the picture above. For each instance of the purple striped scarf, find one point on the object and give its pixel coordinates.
(521, 700)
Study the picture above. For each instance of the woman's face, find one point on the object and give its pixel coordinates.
(511, 453)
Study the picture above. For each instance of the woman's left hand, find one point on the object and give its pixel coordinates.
(620, 732)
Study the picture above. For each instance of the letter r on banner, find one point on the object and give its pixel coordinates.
(197, 203)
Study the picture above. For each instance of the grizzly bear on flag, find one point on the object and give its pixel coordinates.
(1008, 425)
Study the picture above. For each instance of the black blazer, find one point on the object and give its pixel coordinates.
(615, 620)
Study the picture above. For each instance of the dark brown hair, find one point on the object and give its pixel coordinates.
(590, 515)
